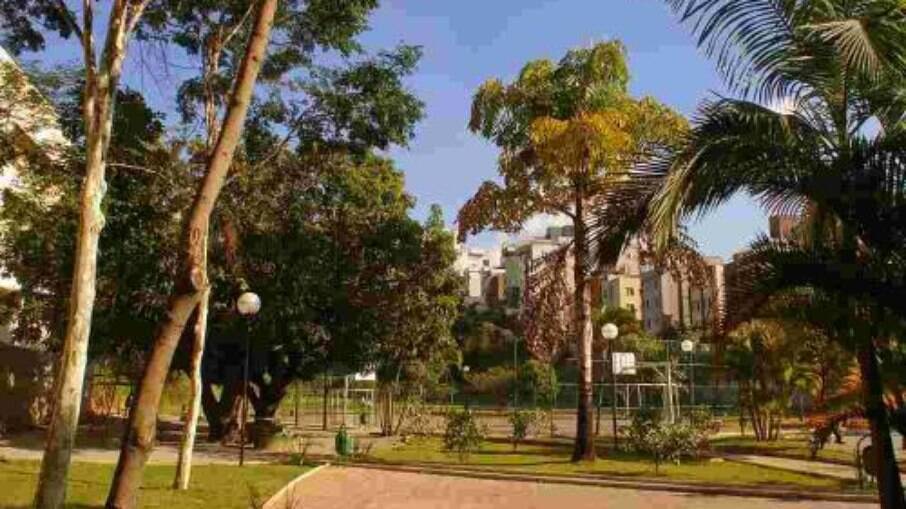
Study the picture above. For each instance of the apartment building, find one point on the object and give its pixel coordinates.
(621, 285)
(780, 227)
(482, 274)
(519, 257)
(29, 130)
(672, 302)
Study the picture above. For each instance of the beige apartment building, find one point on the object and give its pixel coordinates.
(671, 302)
(518, 258)
(622, 284)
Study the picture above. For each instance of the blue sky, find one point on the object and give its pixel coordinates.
(468, 41)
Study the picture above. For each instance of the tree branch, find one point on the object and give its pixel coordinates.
(135, 16)
(90, 63)
(235, 30)
(70, 19)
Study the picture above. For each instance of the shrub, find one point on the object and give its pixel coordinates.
(416, 418)
(462, 433)
(496, 383)
(524, 424)
(538, 383)
(666, 442)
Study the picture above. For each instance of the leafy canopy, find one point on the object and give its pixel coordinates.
(566, 131)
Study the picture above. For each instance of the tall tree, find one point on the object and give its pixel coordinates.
(812, 76)
(215, 33)
(192, 280)
(21, 29)
(567, 132)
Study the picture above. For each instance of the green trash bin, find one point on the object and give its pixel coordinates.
(343, 443)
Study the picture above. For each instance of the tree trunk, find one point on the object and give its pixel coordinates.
(187, 444)
(213, 48)
(584, 447)
(266, 404)
(324, 404)
(213, 412)
(99, 97)
(191, 285)
(890, 487)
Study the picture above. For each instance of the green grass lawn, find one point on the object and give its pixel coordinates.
(787, 448)
(553, 458)
(212, 486)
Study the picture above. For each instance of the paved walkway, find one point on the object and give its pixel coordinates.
(821, 468)
(345, 487)
(162, 454)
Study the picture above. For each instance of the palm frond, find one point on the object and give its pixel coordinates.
(869, 35)
(739, 146)
(772, 267)
(773, 49)
(757, 44)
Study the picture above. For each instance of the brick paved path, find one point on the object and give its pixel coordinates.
(355, 488)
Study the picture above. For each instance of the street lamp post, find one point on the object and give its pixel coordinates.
(465, 373)
(688, 346)
(248, 304)
(610, 332)
(515, 374)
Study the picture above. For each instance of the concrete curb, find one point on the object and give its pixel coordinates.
(614, 482)
(278, 501)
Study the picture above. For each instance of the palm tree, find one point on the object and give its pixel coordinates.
(819, 129)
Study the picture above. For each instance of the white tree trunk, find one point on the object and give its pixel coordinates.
(187, 445)
(99, 97)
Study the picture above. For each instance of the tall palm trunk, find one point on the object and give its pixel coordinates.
(890, 486)
(584, 447)
(99, 96)
(193, 282)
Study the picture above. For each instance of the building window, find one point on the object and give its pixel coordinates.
(630, 291)
(631, 307)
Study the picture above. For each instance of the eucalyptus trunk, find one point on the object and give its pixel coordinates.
(584, 447)
(187, 444)
(192, 284)
(212, 54)
(99, 96)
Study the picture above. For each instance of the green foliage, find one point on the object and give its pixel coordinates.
(38, 234)
(497, 382)
(538, 383)
(771, 359)
(485, 337)
(524, 423)
(564, 128)
(662, 441)
(348, 279)
(463, 433)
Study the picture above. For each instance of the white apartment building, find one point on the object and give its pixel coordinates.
(482, 273)
(519, 257)
(29, 131)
